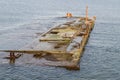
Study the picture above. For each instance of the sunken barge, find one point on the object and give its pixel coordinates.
(61, 46)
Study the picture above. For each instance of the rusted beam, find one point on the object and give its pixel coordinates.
(37, 52)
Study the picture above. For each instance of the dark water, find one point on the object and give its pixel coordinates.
(22, 21)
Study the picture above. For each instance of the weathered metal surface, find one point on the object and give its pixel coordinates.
(61, 46)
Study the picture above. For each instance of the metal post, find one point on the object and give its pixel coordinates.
(12, 55)
(12, 58)
(86, 13)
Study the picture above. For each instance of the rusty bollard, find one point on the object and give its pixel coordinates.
(12, 57)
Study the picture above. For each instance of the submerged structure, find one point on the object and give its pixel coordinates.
(61, 46)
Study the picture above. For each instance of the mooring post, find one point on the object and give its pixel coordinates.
(12, 57)
(86, 13)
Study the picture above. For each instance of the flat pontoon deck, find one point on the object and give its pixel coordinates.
(61, 46)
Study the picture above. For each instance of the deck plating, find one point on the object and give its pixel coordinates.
(61, 46)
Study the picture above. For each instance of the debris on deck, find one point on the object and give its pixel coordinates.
(61, 46)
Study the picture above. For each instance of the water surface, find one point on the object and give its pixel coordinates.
(22, 21)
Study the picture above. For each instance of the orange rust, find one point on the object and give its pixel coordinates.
(69, 15)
